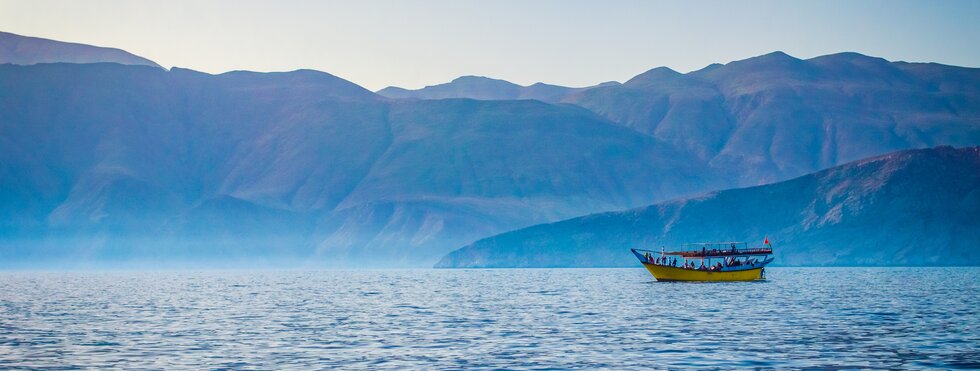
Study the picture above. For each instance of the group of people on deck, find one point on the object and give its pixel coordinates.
(663, 260)
(672, 262)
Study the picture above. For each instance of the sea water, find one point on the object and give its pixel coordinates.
(505, 318)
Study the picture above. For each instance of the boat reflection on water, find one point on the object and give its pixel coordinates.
(708, 261)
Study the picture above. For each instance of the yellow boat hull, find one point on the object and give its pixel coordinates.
(668, 273)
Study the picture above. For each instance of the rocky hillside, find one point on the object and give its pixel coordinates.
(916, 207)
(773, 117)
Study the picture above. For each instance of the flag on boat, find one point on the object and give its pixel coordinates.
(767, 241)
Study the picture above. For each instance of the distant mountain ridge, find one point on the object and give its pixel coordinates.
(916, 207)
(484, 88)
(114, 163)
(774, 116)
(25, 50)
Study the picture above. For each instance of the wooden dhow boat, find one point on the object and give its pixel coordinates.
(708, 261)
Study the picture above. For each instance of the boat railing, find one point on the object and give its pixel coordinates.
(715, 252)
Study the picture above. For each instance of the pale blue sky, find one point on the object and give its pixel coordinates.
(576, 43)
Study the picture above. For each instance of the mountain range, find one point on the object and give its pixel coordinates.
(908, 208)
(116, 163)
(121, 159)
(773, 117)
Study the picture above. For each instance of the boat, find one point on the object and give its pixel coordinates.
(708, 261)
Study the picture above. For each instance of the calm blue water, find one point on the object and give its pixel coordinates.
(536, 318)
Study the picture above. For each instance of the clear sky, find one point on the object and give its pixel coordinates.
(576, 43)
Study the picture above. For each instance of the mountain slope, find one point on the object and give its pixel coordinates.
(916, 207)
(24, 50)
(457, 170)
(773, 117)
(183, 163)
(133, 162)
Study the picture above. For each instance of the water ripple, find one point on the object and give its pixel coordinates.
(488, 319)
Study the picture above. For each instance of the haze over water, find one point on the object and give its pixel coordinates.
(514, 318)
